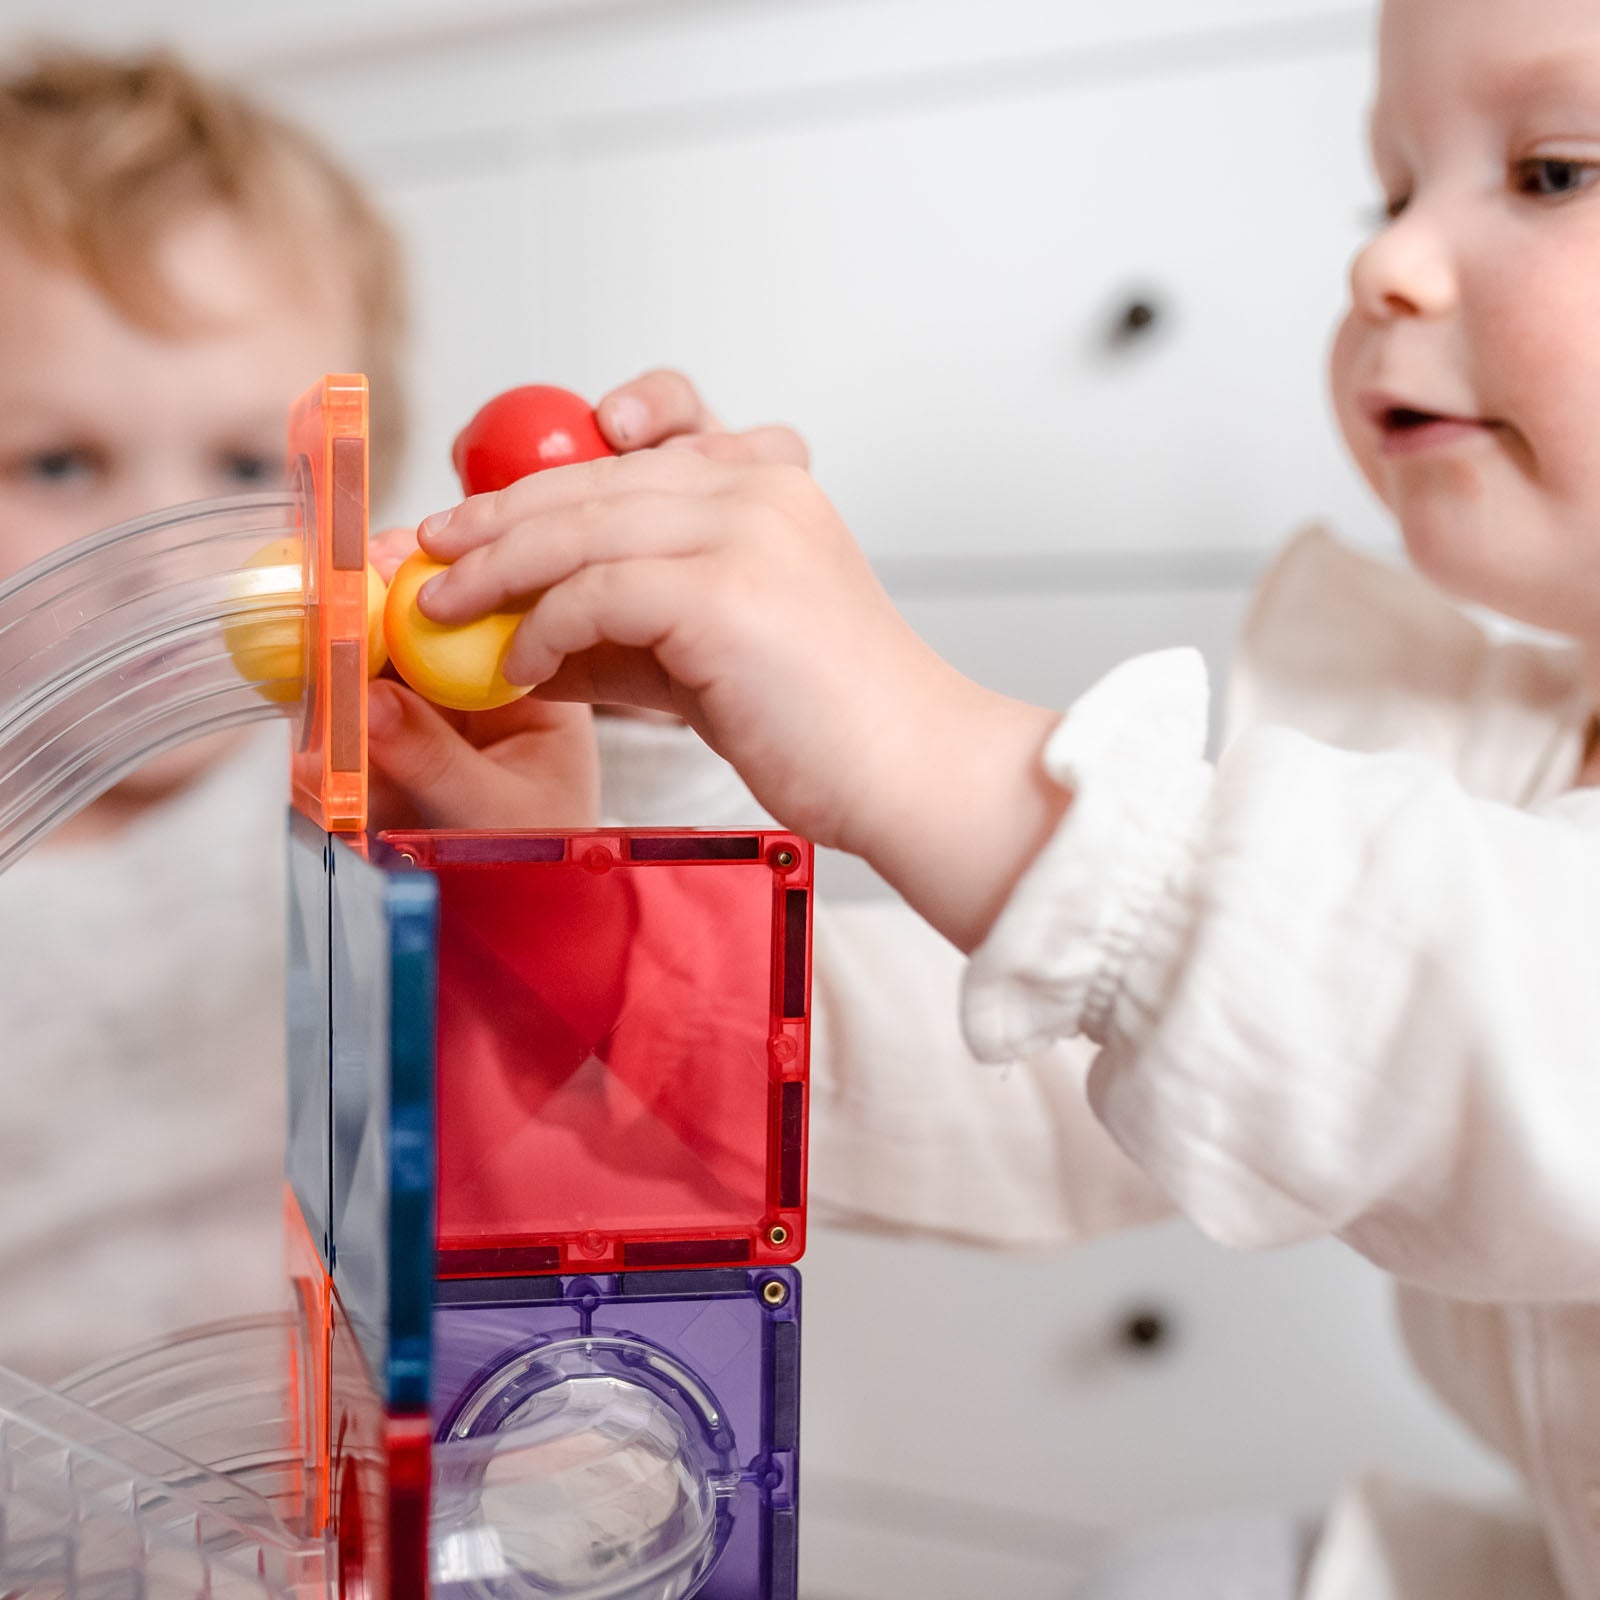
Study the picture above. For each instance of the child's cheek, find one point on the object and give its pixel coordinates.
(164, 776)
(30, 531)
(1360, 437)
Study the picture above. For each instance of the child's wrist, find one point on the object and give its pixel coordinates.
(961, 806)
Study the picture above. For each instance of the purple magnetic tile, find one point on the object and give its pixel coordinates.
(717, 1337)
(741, 1351)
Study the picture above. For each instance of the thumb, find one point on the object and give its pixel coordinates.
(540, 772)
(419, 753)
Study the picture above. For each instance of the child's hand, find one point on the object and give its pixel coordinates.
(387, 551)
(527, 765)
(664, 409)
(730, 593)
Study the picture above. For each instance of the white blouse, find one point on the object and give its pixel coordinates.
(142, 1052)
(1346, 981)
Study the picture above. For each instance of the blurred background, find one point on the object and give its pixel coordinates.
(1047, 284)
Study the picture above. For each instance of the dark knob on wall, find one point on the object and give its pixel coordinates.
(1145, 1330)
(1139, 317)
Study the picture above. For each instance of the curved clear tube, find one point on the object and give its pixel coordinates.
(564, 1475)
(114, 649)
(218, 1394)
(90, 1508)
(583, 1486)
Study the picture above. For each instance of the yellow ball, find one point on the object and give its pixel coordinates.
(270, 649)
(268, 646)
(458, 666)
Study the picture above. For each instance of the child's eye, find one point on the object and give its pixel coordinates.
(1385, 211)
(246, 467)
(1549, 177)
(62, 468)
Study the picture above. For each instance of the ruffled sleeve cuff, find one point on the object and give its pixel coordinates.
(1132, 753)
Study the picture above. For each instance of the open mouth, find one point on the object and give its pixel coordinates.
(1408, 428)
(1402, 419)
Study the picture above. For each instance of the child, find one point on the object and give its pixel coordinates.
(1343, 982)
(175, 266)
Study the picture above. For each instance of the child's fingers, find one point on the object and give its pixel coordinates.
(535, 553)
(774, 443)
(388, 549)
(416, 748)
(651, 408)
(491, 728)
(542, 774)
(610, 675)
(637, 605)
(448, 535)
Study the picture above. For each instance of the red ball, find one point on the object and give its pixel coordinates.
(524, 431)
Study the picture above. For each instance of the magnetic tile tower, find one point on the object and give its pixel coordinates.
(546, 1152)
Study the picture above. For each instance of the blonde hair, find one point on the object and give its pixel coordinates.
(101, 157)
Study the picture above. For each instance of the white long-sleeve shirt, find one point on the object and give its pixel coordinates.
(142, 1073)
(1346, 981)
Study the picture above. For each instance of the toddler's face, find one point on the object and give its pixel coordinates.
(102, 419)
(1467, 371)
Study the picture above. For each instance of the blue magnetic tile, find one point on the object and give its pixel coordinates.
(383, 1027)
(306, 1162)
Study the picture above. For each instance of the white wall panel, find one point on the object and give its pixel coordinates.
(348, 35)
(999, 1396)
(929, 293)
(479, 310)
(1049, 647)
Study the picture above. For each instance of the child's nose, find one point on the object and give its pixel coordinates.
(1404, 271)
(156, 484)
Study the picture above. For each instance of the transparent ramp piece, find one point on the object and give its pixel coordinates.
(90, 1510)
(116, 648)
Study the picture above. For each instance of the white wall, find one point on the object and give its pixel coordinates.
(912, 227)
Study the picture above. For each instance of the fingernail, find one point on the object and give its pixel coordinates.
(383, 711)
(432, 527)
(429, 592)
(626, 419)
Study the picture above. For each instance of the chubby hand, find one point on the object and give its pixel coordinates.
(527, 765)
(721, 585)
(663, 409)
(534, 763)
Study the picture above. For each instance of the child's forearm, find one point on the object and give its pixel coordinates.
(962, 809)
